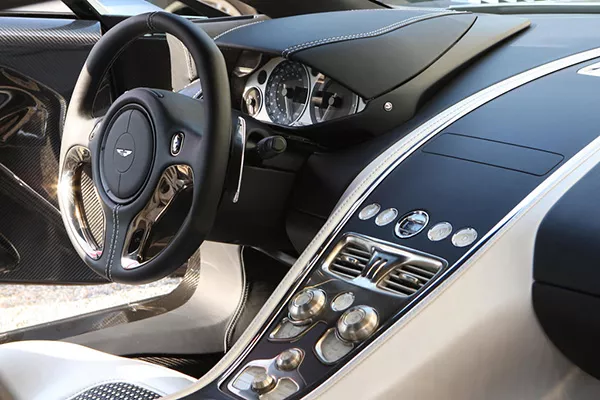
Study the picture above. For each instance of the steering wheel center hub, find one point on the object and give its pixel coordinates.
(127, 153)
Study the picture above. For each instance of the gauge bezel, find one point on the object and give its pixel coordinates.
(321, 80)
(305, 118)
(247, 89)
(309, 90)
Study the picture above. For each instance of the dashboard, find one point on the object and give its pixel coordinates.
(288, 93)
(463, 134)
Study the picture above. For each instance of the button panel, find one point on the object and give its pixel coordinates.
(329, 318)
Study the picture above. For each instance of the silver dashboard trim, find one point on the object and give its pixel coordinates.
(357, 193)
(305, 118)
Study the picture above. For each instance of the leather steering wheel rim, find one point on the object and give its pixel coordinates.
(151, 146)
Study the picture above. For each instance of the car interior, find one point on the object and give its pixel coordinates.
(342, 199)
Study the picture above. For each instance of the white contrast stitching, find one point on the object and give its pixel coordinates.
(220, 35)
(376, 32)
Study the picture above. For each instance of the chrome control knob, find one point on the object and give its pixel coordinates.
(357, 323)
(263, 382)
(289, 359)
(307, 304)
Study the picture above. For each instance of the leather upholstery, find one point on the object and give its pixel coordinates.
(43, 370)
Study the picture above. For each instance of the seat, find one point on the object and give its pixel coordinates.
(36, 370)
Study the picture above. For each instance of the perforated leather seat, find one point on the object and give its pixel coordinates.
(44, 370)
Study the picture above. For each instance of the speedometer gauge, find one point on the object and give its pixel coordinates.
(286, 93)
(330, 100)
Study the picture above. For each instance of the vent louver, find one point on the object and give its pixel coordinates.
(407, 279)
(351, 260)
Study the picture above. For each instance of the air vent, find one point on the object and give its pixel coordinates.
(407, 279)
(351, 260)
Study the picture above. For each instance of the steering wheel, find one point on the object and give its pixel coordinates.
(150, 149)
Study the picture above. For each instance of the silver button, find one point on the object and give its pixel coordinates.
(342, 301)
(464, 237)
(386, 217)
(307, 304)
(289, 359)
(439, 231)
(369, 211)
(263, 382)
(411, 224)
(357, 323)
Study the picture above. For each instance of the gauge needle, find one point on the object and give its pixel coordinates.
(288, 104)
(330, 107)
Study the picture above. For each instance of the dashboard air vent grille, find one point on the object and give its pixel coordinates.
(351, 260)
(407, 279)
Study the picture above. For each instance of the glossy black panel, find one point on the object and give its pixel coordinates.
(497, 154)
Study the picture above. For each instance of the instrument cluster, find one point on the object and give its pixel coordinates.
(287, 93)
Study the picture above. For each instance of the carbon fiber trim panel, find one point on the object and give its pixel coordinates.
(58, 330)
(35, 228)
(40, 60)
(117, 390)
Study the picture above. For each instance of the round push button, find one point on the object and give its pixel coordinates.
(464, 237)
(369, 211)
(386, 217)
(439, 231)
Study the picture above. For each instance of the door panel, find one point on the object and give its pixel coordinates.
(40, 60)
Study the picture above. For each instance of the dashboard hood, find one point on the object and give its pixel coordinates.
(375, 51)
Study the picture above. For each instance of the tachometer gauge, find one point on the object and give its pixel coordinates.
(330, 100)
(286, 93)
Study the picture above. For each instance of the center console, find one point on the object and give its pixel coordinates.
(359, 286)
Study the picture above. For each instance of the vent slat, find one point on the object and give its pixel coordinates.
(345, 270)
(351, 260)
(420, 271)
(358, 257)
(357, 251)
(408, 279)
(399, 288)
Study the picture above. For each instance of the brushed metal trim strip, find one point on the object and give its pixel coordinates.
(362, 186)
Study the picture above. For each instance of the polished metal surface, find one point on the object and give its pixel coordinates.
(263, 382)
(305, 116)
(329, 349)
(378, 270)
(388, 106)
(369, 211)
(306, 305)
(289, 359)
(173, 181)
(239, 139)
(464, 237)
(342, 301)
(386, 217)
(262, 379)
(286, 330)
(71, 203)
(411, 224)
(357, 323)
(439, 231)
